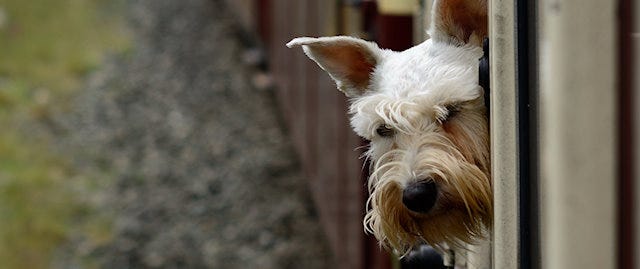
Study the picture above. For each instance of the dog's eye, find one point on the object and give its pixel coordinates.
(385, 131)
(451, 110)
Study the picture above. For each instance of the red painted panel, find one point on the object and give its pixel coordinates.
(626, 226)
(316, 117)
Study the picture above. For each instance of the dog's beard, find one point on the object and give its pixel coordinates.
(463, 208)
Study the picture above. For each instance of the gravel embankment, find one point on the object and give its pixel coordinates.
(202, 174)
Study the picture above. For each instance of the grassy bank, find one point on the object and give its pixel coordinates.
(47, 48)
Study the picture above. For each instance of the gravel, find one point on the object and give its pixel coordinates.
(200, 172)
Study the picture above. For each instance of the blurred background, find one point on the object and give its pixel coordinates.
(158, 134)
(184, 134)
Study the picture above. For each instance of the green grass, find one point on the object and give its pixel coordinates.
(53, 43)
(36, 203)
(47, 47)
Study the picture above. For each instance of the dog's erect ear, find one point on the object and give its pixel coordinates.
(348, 60)
(459, 21)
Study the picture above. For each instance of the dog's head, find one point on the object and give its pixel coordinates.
(423, 111)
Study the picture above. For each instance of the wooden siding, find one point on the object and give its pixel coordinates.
(316, 113)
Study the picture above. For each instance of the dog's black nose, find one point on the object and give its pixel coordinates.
(420, 196)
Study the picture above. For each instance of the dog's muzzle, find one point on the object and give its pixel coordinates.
(420, 197)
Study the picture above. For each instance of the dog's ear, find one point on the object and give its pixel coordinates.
(459, 21)
(349, 61)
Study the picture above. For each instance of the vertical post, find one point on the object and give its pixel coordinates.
(504, 134)
(578, 129)
(526, 33)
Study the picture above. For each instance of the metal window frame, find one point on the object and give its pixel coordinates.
(504, 134)
(514, 126)
(578, 125)
(577, 122)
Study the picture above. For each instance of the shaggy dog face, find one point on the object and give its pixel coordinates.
(423, 111)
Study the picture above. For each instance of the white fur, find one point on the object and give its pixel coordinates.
(409, 87)
(410, 94)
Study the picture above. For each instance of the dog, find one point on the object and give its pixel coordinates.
(424, 113)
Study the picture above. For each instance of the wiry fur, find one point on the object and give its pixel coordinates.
(429, 96)
(413, 100)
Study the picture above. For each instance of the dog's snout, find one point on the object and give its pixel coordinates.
(420, 196)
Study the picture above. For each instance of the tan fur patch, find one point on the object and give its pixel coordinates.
(350, 62)
(464, 20)
(457, 161)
